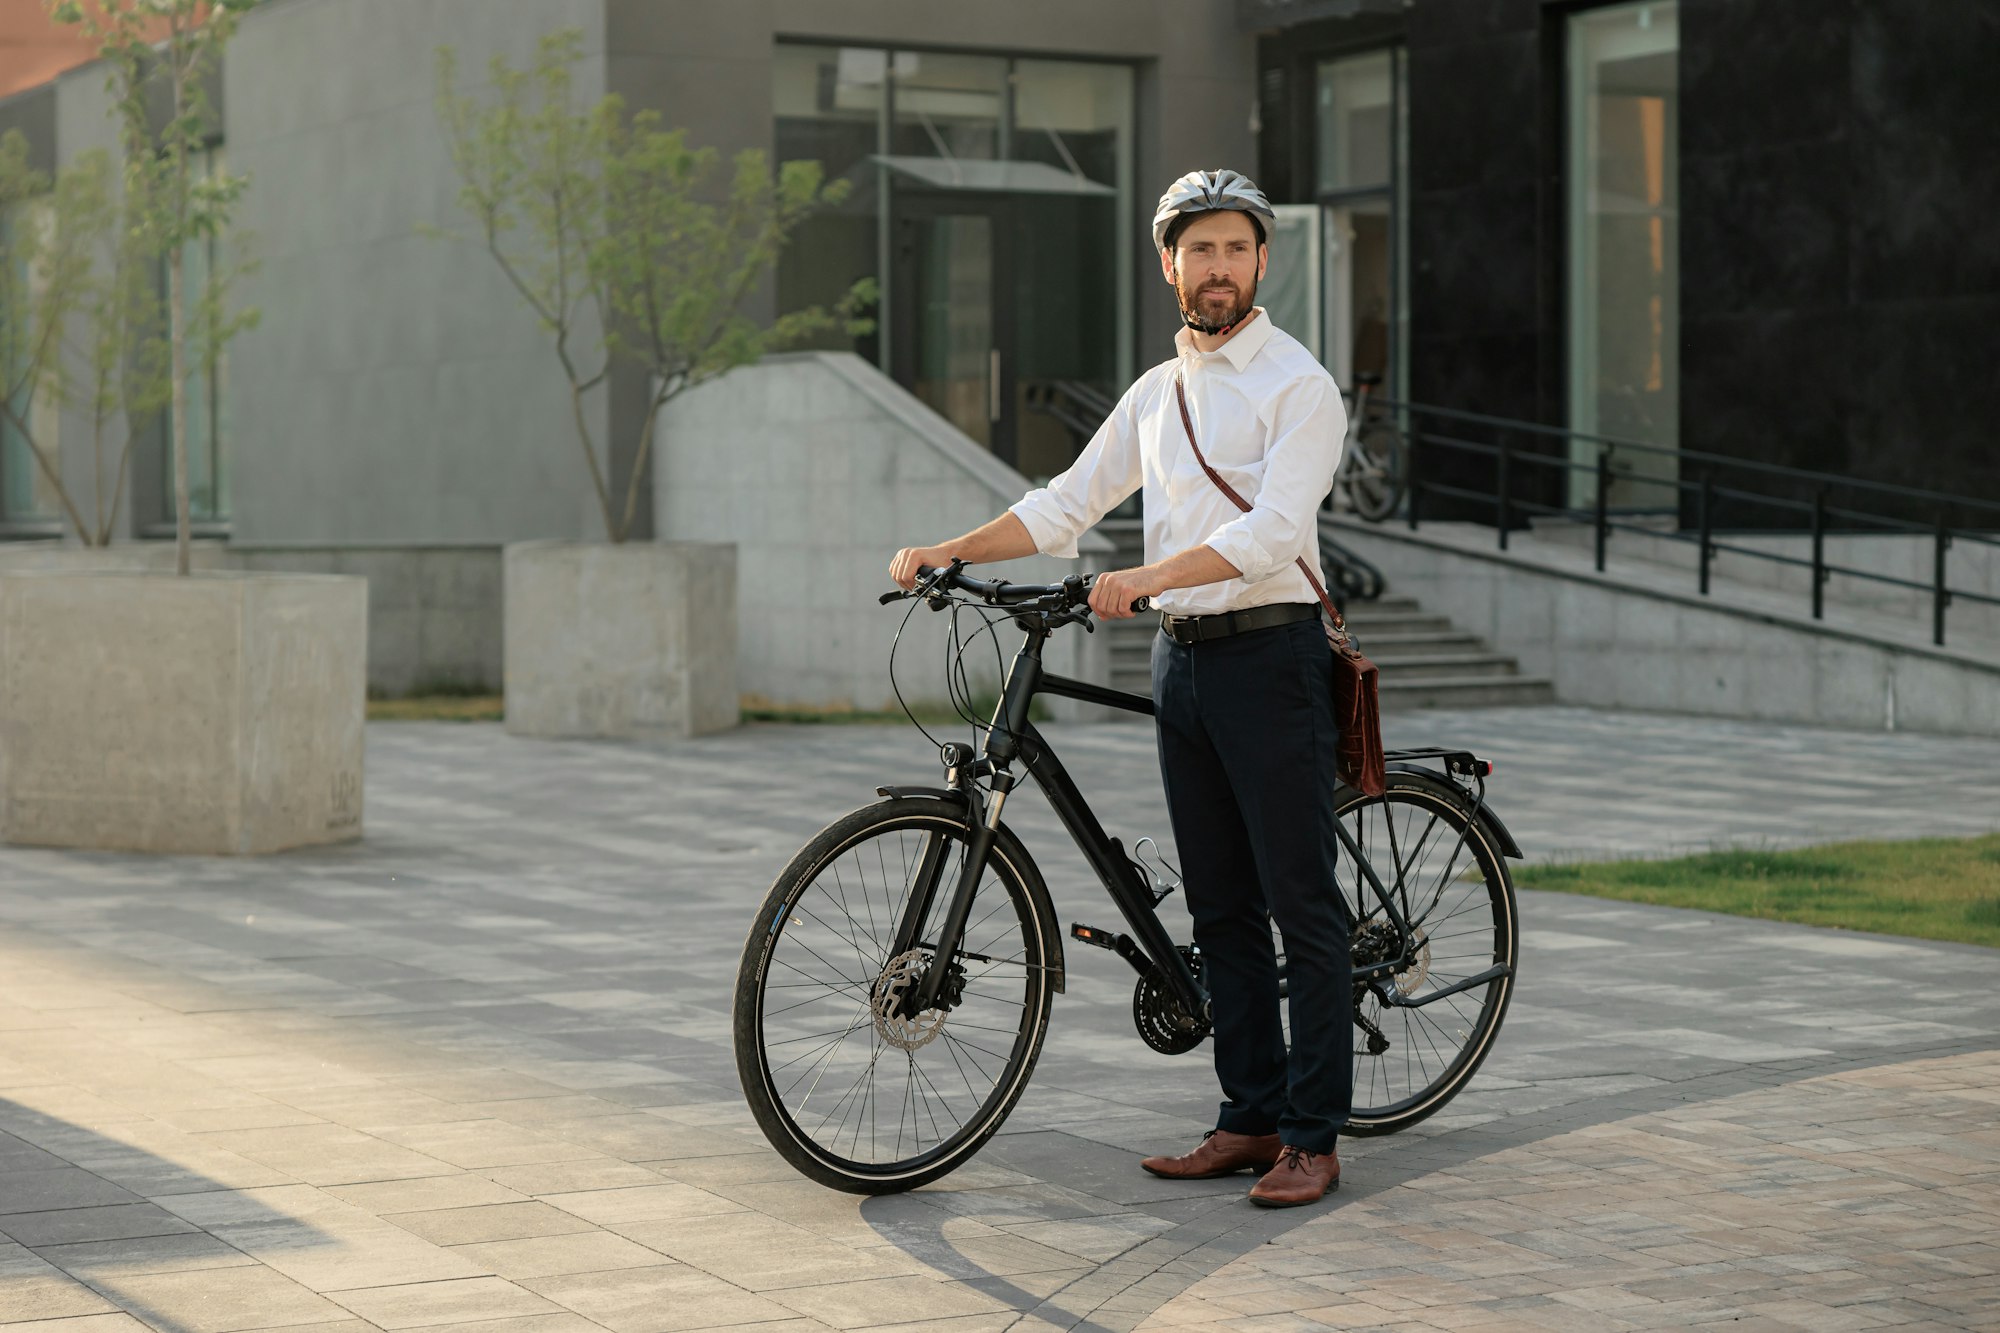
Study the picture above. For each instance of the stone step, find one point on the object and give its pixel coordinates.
(1444, 666)
(1406, 695)
(1466, 692)
(1397, 622)
(1379, 642)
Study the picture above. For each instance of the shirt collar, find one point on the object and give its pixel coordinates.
(1248, 340)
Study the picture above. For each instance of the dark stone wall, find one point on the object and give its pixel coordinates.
(1840, 227)
(1840, 264)
(1485, 224)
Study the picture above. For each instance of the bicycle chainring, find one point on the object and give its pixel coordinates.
(905, 1031)
(1163, 1023)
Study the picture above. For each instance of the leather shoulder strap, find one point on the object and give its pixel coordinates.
(1187, 424)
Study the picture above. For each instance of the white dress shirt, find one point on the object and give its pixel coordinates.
(1270, 421)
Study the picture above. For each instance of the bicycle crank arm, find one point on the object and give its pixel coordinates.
(1122, 945)
(1391, 996)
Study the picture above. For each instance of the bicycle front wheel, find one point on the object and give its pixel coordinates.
(850, 1087)
(1451, 883)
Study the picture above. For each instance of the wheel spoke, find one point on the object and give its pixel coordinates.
(1449, 880)
(919, 1087)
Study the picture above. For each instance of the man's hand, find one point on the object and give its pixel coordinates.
(903, 569)
(1112, 595)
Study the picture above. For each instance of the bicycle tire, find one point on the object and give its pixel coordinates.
(792, 946)
(1376, 480)
(1468, 1023)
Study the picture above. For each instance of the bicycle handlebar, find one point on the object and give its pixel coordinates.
(1073, 591)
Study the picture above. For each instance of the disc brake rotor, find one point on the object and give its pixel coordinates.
(1408, 980)
(904, 1031)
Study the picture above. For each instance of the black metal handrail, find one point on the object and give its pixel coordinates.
(1507, 502)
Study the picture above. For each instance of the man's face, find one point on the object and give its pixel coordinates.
(1215, 265)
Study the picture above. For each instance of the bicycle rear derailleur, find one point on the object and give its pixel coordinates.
(1163, 1022)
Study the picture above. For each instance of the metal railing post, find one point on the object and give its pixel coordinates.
(1603, 504)
(1707, 520)
(1940, 595)
(1415, 489)
(1500, 493)
(1819, 554)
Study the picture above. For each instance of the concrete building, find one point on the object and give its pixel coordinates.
(398, 410)
(1759, 227)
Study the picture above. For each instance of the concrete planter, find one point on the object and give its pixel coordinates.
(217, 714)
(155, 557)
(636, 641)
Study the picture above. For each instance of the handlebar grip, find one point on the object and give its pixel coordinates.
(1144, 604)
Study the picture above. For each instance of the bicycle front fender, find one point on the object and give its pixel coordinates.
(1052, 939)
(946, 794)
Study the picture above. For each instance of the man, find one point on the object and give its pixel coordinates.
(1242, 675)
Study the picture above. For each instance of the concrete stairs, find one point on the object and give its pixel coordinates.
(1426, 661)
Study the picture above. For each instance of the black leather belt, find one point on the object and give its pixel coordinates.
(1199, 629)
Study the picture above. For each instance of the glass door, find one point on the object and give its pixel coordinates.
(954, 349)
(1624, 248)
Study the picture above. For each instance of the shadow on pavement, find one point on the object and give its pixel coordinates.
(1204, 1225)
(98, 1224)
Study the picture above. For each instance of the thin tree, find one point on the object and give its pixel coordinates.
(79, 326)
(624, 241)
(174, 45)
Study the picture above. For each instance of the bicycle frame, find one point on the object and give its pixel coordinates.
(1013, 736)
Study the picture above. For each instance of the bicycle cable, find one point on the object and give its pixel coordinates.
(897, 689)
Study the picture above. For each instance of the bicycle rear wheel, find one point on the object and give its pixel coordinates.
(851, 1089)
(1452, 885)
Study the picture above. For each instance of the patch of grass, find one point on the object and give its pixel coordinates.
(439, 708)
(1930, 888)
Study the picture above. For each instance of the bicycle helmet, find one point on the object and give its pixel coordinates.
(1207, 191)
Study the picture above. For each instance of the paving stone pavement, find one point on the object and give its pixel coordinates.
(474, 1072)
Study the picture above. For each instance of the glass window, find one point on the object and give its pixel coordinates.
(1356, 110)
(948, 106)
(830, 102)
(26, 495)
(1624, 243)
(992, 203)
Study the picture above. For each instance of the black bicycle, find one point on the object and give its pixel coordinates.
(895, 986)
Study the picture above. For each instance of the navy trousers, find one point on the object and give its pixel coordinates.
(1247, 738)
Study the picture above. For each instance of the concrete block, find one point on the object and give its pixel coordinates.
(630, 641)
(219, 714)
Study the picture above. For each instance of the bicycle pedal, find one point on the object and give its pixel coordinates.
(1103, 939)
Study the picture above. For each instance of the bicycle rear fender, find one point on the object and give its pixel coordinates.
(1475, 810)
(1044, 905)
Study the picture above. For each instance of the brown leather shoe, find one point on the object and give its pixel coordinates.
(1220, 1153)
(1299, 1177)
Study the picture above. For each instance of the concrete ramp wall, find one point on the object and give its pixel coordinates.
(1641, 636)
(820, 467)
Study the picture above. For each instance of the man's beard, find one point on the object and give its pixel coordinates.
(1213, 315)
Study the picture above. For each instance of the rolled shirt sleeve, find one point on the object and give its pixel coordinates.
(1104, 474)
(1308, 431)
